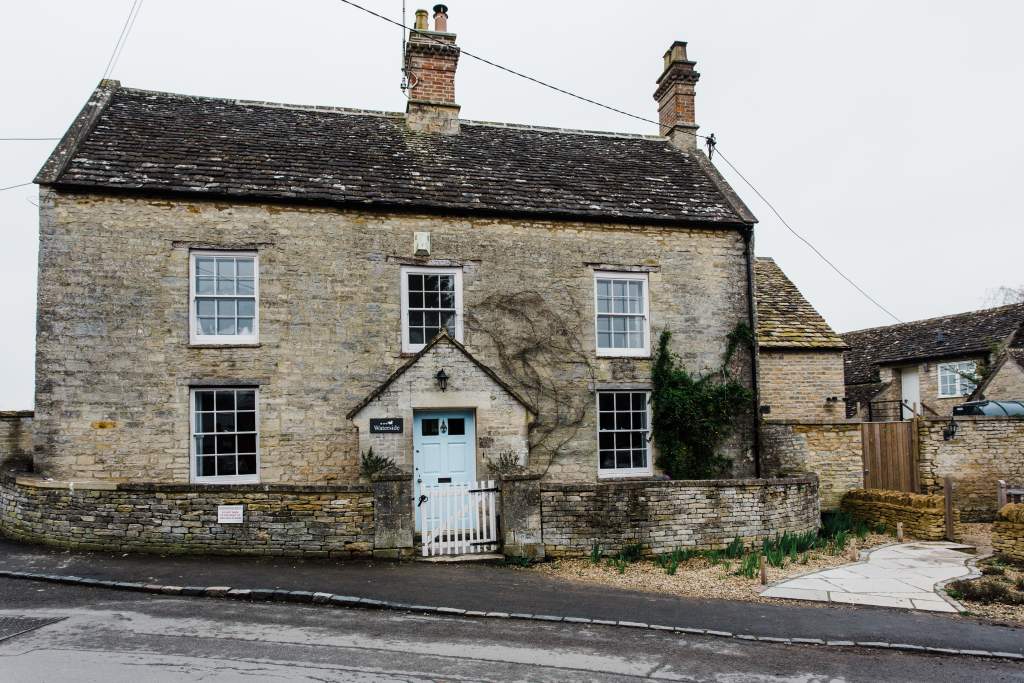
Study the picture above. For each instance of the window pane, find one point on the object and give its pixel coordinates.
(207, 423)
(206, 467)
(246, 286)
(604, 288)
(204, 266)
(607, 421)
(225, 326)
(226, 400)
(603, 305)
(456, 426)
(429, 427)
(246, 443)
(225, 422)
(623, 421)
(431, 300)
(618, 288)
(207, 326)
(639, 458)
(448, 300)
(604, 340)
(606, 441)
(416, 335)
(448, 321)
(225, 465)
(246, 399)
(204, 400)
(416, 300)
(623, 459)
(225, 286)
(430, 283)
(226, 443)
(204, 285)
(247, 422)
(247, 463)
(607, 460)
(225, 268)
(416, 318)
(226, 308)
(205, 307)
(245, 326)
(245, 267)
(432, 319)
(415, 282)
(604, 323)
(205, 445)
(446, 283)
(606, 401)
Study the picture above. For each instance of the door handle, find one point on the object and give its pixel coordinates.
(423, 499)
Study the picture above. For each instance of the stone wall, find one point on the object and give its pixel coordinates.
(796, 384)
(832, 451)
(923, 516)
(663, 515)
(308, 521)
(15, 439)
(114, 364)
(1007, 384)
(1008, 532)
(984, 450)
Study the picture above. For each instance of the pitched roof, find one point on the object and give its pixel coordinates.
(442, 336)
(785, 319)
(139, 140)
(976, 332)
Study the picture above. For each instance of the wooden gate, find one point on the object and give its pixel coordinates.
(890, 455)
(459, 519)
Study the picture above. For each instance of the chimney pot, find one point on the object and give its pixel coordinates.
(441, 18)
(421, 20)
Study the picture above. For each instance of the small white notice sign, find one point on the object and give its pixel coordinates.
(229, 514)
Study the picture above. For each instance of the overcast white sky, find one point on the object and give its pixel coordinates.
(889, 133)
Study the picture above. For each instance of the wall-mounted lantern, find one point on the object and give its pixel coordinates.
(950, 430)
(442, 379)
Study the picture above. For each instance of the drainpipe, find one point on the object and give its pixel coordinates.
(748, 242)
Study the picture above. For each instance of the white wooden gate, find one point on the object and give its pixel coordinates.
(459, 519)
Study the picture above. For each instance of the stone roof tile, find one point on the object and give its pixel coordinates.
(785, 319)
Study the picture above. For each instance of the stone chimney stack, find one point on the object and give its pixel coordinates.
(675, 95)
(431, 58)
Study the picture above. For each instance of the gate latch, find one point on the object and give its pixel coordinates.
(422, 500)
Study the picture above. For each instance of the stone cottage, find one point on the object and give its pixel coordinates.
(929, 366)
(246, 297)
(800, 355)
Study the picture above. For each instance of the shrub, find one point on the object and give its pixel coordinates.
(631, 552)
(986, 591)
(749, 565)
(595, 553)
(371, 464)
(507, 462)
(993, 570)
(692, 415)
(735, 548)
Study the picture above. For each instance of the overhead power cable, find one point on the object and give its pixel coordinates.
(711, 138)
(12, 187)
(122, 38)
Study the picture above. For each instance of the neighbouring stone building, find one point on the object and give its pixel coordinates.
(933, 364)
(800, 356)
(238, 300)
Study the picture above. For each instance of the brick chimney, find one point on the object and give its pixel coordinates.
(675, 95)
(431, 58)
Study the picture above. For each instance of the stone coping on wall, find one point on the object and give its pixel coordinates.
(157, 487)
(678, 483)
(813, 423)
(16, 414)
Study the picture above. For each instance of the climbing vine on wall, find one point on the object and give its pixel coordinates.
(692, 415)
(536, 336)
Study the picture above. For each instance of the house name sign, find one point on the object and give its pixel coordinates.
(385, 425)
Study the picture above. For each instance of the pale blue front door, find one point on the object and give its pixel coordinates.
(444, 450)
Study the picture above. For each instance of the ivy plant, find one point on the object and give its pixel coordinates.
(692, 415)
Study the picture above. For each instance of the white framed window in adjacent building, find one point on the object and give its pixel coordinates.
(431, 301)
(223, 297)
(225, 435)
(621, 314)
(954, 379)
(623, 433)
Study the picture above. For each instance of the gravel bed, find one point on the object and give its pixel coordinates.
(698, 577)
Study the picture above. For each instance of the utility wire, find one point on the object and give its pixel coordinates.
(711, 138)
(11, 187)
(124, 42)
(804, 239)
(125, 29)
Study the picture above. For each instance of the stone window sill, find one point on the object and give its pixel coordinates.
(225, 346)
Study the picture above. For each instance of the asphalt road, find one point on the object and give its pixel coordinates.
(113, 636)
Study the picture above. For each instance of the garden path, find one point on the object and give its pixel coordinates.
(903, 575)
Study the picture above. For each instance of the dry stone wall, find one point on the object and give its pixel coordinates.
(327, 521)
(1008, 532)
(114, 362)
(797, 384)
(923, 516)
(984, 450)
(832, 451)
(663, 515)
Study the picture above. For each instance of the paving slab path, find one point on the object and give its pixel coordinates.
(903, 576)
